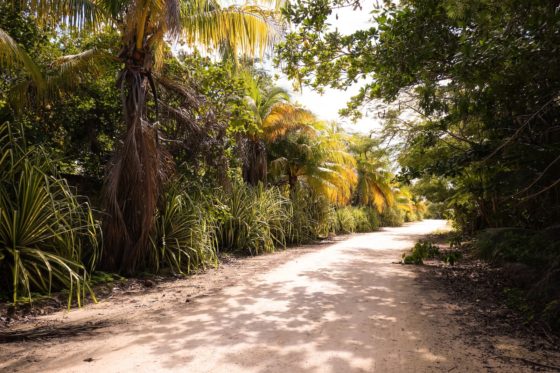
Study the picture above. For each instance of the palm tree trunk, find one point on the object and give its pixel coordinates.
(133, 185)
(292, 182)
(255, 163)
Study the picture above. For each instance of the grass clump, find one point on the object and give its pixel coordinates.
(391, 217)
(256, 221)
(184, 238)
(312, 216)
(48, 235)
(352, 219)
(345, 220)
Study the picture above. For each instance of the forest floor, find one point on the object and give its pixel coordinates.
(339, 306)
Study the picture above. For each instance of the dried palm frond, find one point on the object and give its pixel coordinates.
(138, 171)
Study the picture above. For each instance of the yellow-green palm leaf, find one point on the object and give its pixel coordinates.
(13, 56)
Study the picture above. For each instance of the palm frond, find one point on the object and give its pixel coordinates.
(79, 14)
(67, 71)
(13, 56)
(284, 118)
(247, 30)
(64, 75)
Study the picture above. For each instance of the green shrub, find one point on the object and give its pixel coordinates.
(351, 219)
(184, 236)
(421, 250)
(345, 221)
(312, 217)
(372, 217)
(391, 217)
(537, 251)
(361, 220)
(257, 220)
(410, 216)
(436, 210)
(48, 236)
(510, 245)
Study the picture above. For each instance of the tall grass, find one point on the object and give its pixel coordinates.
(352, 219)
(184, 236)
(257, 220)
(345, 222)
(46, 232)
(391, 217)
(312, 216)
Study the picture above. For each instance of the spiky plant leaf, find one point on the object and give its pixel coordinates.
(45, 231)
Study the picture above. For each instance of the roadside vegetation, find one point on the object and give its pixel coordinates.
(146, 137)
(121, 156)
(471, 92)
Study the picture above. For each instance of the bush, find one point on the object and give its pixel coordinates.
(436, 210)
(351, 219)
(184, 236)
(391, 217)
(345, 222)
(411, 216)
(372, 217)
(510, 245)
(361, 220)
(421, 250)
(535, 255)
(312, 217)
(257, 220)
(48, 236)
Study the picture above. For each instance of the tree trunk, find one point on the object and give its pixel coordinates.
(133, 184)
(255, 164)
(292, 181)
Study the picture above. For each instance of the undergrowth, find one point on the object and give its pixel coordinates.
(535, 254)
(49, 239)
(424, 249)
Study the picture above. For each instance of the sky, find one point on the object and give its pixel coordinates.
(327, 105)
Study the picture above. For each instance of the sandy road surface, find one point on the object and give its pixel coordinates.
(344, 307)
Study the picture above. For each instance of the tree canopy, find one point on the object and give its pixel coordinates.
(473, 89)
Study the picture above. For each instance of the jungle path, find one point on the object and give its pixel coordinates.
(341, 307)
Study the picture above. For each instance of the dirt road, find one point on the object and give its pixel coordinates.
(344, 307)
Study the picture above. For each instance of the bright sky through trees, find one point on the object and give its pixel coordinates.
(327, 105)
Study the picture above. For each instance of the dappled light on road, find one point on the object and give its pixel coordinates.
(348, 307)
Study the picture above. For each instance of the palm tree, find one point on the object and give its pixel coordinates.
(374, 181)
(140, 167)
(317, 158)
(412, 206)
(273, 115)
(374, 185)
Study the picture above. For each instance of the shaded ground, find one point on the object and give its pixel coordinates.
(343, 307)
(486, 316)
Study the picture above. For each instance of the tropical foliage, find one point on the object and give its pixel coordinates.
(256, 222)
(187, 150)
(470, 89)
(48, 236)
